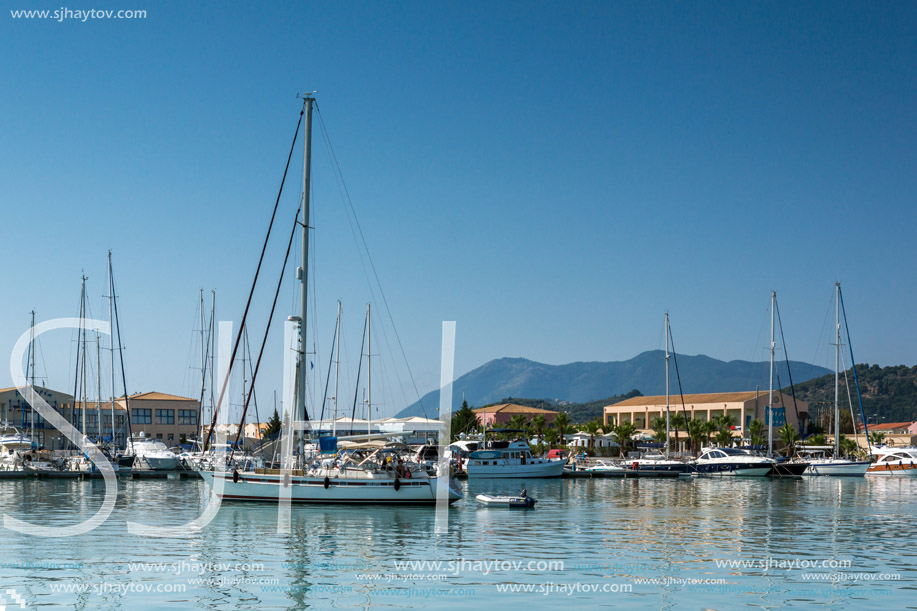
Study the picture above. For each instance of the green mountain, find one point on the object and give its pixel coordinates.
(583, 382)
(889, 393)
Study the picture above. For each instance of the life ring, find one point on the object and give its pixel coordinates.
(235, 476)
(326, 483)
(397, 484)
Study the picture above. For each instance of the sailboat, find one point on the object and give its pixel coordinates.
(658, 462)
(837, 465)
(369, 480)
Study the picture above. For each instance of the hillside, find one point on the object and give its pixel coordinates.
(890, 392)
(582, 382)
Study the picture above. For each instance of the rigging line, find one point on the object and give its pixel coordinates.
(853, 420)
(251, 293)
(252, 387)
(328, 376)
(127, 410)
(356, 391)
(267, 331)
(855, 378)
(681, 393)
(204, 372)
(788, 371)
(371, 263)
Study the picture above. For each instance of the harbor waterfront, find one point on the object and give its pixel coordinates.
(673, 543)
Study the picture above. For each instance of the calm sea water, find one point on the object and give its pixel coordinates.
(811, 543)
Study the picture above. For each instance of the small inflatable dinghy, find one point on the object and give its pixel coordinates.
(523, 500)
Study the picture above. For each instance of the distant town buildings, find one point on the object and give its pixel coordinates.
(501, 414)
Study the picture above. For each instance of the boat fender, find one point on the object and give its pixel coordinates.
(326, 483)
(397, 484)
(635, 466)
(407, 474)
(235, 476)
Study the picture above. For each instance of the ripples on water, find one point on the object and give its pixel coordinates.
(608, 533)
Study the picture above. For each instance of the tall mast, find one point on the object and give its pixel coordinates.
(83, 308)
(203, 370)
(837, 366)
(369, 372)
(111, 323)
(99, 388)
(304, 273)
(32, 372)
(337, 367)
(666, 384)
(213, 310)
(770, 396)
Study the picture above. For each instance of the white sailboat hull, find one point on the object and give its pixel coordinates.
(839, 468)
(314, 489)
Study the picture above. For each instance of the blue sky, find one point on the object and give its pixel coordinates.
(553, 176)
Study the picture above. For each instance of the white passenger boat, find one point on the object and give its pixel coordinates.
(503, 459)
(731, 461)
(151, 454)
(603, 465)
(896, 462)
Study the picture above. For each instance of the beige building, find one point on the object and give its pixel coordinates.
(16, 412)
(168, 418)
(742, 406)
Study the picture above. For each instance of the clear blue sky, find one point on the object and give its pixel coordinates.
(553, 176)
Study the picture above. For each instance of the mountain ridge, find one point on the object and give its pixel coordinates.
(584, 381)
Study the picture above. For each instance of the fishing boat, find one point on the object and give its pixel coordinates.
(837, 465)
(372, 480)
(511, 459)
(522, 501)
(894, 462)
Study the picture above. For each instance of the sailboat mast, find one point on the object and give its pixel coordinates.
(770, 396)
(337, 368)
(203, 369)
(32, 372)
(83, 308)
(667, 385)
(304, 270)
(98, 388)
(111, 324)
(837, 366)
(369, 371)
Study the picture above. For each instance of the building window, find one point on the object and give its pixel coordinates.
(171, 437)
(165, 416)
(142, 416)
(159, 436)
(187, 416)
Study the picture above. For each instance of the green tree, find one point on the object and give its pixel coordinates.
(817, 440)
(789, 437)
(537, 425)
(756, 432)
(561, 422)
(273, 426)
(550, 436)
(848, 446)
(592, 428)
(519, 421)
(723, 437)
(876, 438)
(622, 434)
(724, 426)
(464, 421)
(677, 421)
(697, 432)
(658, 426)
(710, 427)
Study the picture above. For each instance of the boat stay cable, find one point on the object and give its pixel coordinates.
(681, 393)
(248, 303)
(855, 378)
(787, 356)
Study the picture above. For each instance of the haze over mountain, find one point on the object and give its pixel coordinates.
(581, 382)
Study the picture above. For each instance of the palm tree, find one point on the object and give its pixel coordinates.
(622, 434)
(697, 432)
(537, 425)
(710, 427)
(818, 440)
(723, 437)
(724, 426)
(550, 435)
(848, 446)
(592, 428)
(659, 432)
(677, 421)
(789, 437)
(561, 422)
(877, 438)
(756, 432)
(517, 422)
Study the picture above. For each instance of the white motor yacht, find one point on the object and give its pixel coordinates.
(731, 461)
(503, 459)
(151, 454)
(891, 461)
